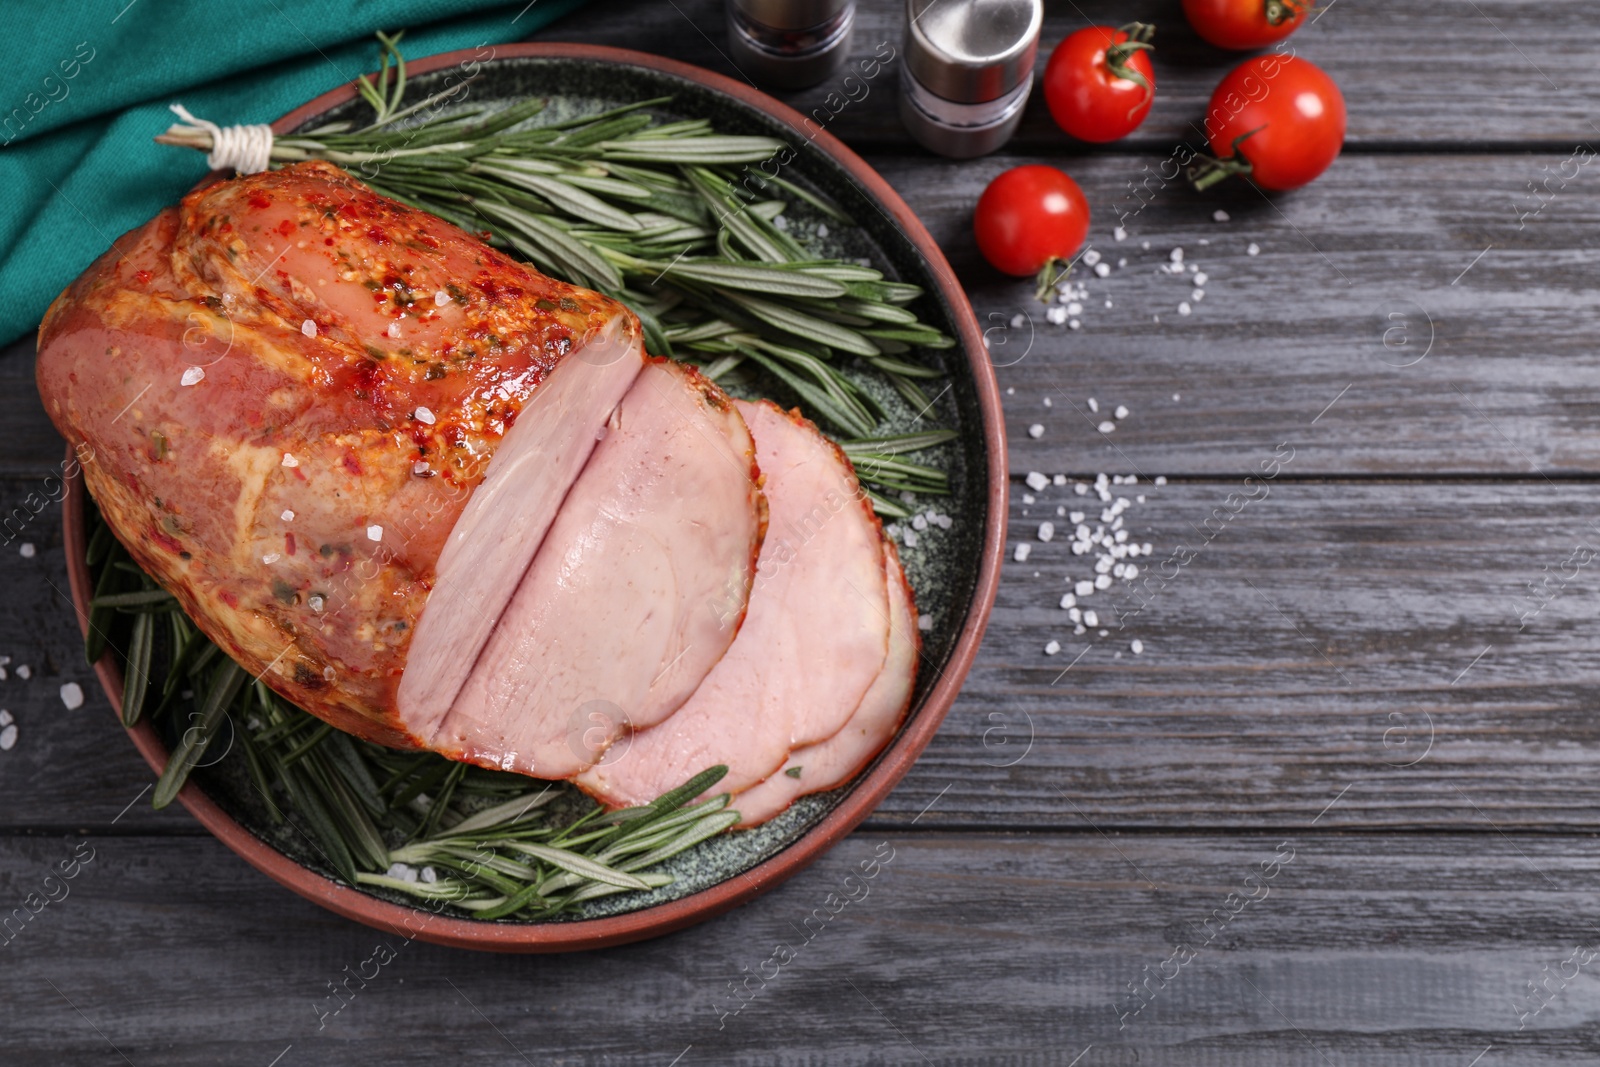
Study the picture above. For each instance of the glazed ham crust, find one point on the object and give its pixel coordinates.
(290, 387)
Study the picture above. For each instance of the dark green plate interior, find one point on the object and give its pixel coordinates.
(944, 564)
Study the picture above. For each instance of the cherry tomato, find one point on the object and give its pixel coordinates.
(1279, 119)
(1245, 24)
(1099, 82)
(1030, 217)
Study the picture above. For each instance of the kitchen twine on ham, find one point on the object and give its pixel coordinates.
(247, 149)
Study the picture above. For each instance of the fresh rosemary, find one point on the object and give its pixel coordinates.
(492, 843)
(656, 216)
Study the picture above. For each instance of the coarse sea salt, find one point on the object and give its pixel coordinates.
(1107, 426)
(1036, 431)
(193, 376)
(1021, 552)
(424, 415)
(72, 695)
(1137, 646)
(1121, 412)
(308, 328)
(26, 550)
(1052, 648)
(374, 532)
(1047, 531)
(1102, 270)
(1253, 250)
(8, 737)
(1219, 215)
(1036, 481)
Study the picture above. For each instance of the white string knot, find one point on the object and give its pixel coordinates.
(247, 149)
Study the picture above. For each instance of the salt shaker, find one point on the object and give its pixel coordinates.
(968, 70)
(790, 44)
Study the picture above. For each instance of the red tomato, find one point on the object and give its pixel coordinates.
(1030, 217)
(1277, 118)
(1245, 24)
(1099, 82)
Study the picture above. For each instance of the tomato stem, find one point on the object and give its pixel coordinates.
(1280, 11)
(1047, 278)
(1209, 170)
(1117, 55)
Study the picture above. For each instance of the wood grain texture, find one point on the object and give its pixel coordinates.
(1510, 73)
(1323, 635)
(1001, 949)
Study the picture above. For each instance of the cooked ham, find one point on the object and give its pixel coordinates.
(290, 389)
(831, 763)
(815, 637)
(635, 594)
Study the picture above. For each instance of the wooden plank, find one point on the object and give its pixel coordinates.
(1400, 286)
(996, 949)
(1401, 67)
(1317, 632)
(1392, 322)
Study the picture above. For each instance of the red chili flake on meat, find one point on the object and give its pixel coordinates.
(285, 228)
(260, 200)
(288, 544)
(377, 236)
(143, 277)
(328, 241)
(453, 435)
(352, 463)
(229, 597)
(171, 544)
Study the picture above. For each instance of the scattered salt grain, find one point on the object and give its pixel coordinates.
(1198, 295)
(309, 328)
(1200, 277)
(1102, 581)
(909, 539)
(1073, 324)
(1119, 234)
(1081, 489)
(316, 603)
(1084, 588)
(1052, 648)
(1047, 402)
(424, 415)
(1017, 320)
(193, 376)
(27, 550)
(8, 738)
(1184, 308)
(780, 222)
(1102, 270)
(1060, 479)
(374, 533)
(1253, 250)
(924, 622)
(1176, 255)
(289, 460)
(1108, 301)
(1036, 481)
(393, 331)
(1220, 215)
(1091, 619)
(919, 522)
(1107, 426)
(420, 468)
(1047, 531)
(822, 229)
(1021, 553)
(71, 695)
(1091, 257)
(5, 718)
(271, 557)
(1027, 498)
(441, 298)
(1036, 430)
(24, 672)
(1121, 412)
(1055, 314)
(1137, 647)
(1094, 405)
(1144, 245)
(1068, 601)
(401, 872)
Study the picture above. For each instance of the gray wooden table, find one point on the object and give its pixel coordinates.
(1339, 810)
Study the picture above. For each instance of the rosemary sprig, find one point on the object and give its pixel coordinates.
(491, 843)
(658, 216)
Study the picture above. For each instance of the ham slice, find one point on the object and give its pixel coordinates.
(831, 763)
(815, 637)
(504, 523)
(635, 594)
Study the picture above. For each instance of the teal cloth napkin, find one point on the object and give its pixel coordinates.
(86, 86)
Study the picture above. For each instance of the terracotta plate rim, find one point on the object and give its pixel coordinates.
(417, 922)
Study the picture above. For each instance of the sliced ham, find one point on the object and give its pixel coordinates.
(831, 763)
(634, 595)
(506, 520)
(815, 637)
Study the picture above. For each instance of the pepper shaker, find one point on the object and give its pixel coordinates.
(968, 72)
(790, 44)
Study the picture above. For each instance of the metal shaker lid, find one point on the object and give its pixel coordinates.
(791, 14)
(972, 51)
